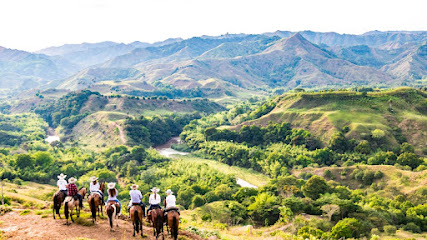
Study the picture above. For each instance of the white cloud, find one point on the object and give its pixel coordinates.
(31, 25)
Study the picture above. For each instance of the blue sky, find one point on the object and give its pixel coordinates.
(32, 25)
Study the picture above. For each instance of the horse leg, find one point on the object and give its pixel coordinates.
(134, 227)
(140, 227)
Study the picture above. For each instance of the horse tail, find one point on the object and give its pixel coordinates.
(111, 214)
(57, 204)
(93, 207)
(175, 227)
(159, 224)
(136, 215)
(66, 212)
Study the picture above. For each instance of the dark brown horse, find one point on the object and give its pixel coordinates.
(157, 221)
(58, 199)
(95, 202)
(136, 213)
(112, 209)
(70, 204)
(173, 223)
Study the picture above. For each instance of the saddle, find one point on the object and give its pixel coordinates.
(115, 204)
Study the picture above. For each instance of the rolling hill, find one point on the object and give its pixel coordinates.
(399, 113)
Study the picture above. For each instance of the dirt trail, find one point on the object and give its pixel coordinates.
(31, 226)
(122, 133)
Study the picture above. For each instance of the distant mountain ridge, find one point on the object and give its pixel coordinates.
(234, 62)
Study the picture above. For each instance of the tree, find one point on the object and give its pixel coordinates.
(378, 134)
(363, 147)
(346, 228)
(406, 148)
(338, 142)
(314, 187)
(197, 201)
(409, 159)
(330, 210)
(42, 159)
(324, 156)
(418, 215)
(24, 161)
(265, 209)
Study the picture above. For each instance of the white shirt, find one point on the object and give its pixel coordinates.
(135, 196)
(62, 184)
(94, 188)
(170, 201)
(153, 201)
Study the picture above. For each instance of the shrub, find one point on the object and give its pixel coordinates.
(409, 159)
(328, 174)
(346, 228)
(390, 229)
(197, 201)
(363, 147)
(412, 227)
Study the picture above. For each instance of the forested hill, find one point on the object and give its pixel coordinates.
(384, 119)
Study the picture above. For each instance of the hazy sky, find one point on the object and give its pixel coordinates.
(35, 24)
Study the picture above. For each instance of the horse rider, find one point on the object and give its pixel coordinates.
(62, 184)
(135, 197)
(73, 192)
(95, 188)
(170, 203)
(112, 195)
(154, 201)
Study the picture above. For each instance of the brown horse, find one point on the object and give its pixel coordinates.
(136, 213)
(70, 204)
(58, 199)
(95, 202)
(157, 221)
(112, 209)
(173, 223)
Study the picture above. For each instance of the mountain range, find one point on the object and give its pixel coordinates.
(229, 64)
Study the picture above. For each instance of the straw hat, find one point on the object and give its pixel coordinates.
(154, 189)
(62, 176)
(134, 187)
(169, 192)
(72, 180)
(111, 185)
(93, 179)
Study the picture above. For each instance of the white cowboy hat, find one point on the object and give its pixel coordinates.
(134, 187)
(111, 185)
(93, 179)
(62, 176)
(168, 192)
(72, 180)
(154, 189)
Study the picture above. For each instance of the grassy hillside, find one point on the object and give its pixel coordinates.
(400, 113)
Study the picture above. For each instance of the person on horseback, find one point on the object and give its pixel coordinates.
(154, 200)
(112, 195)
(73, 192)
(95, 188)
(135, 197)
(62, 184)
(170, 203)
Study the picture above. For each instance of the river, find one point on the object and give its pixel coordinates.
(167, 151)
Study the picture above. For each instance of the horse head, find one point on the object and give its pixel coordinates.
(102, 187)
(83, 192)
